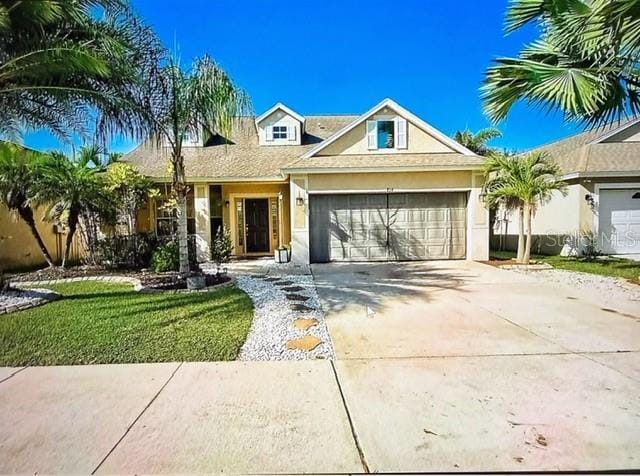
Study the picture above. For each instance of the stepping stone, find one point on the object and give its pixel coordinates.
(284, 283)
(299, 307)
(304, 324)
(304, 343)
(293, 289)
(297, 297)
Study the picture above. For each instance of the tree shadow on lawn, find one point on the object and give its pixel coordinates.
(373, 285)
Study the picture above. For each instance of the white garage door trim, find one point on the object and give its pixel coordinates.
(602, 187)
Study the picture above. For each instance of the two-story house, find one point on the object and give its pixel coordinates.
(384, 185)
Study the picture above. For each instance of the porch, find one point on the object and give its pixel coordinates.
(255, 213)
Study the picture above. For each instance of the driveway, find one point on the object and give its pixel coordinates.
(445, 366)
(460, 366)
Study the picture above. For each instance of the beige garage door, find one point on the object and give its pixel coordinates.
(381, 227)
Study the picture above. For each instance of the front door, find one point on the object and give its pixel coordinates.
(257, 224)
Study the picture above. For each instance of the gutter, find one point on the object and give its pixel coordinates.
(579, 175)
(356, 170)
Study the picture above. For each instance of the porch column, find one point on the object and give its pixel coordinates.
(299, 210)
(477, 222)
(203, 222)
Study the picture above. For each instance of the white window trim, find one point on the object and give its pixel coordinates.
(391, 118)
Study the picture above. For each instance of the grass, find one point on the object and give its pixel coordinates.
(96, 322)
(616, 267)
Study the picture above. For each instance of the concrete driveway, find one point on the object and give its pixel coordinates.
(448, 366)
(459, 366)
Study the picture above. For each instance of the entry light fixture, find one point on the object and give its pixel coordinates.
(227, 203)
(299, 201)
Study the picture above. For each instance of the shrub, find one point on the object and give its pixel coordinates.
(166, 257)
(222, 247)
(131, 251)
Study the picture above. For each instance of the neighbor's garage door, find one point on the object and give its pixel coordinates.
(380, 227)
(619, 227)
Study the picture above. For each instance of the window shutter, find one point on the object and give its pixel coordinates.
(372, 133)
(401, 133)
(269, 133)
(291, 133)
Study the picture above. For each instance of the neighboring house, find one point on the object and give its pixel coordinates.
(381, 186)
(602, 170)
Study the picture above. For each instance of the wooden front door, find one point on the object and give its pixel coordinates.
(257, 224)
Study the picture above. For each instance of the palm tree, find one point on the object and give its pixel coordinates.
(201, 100)
(73, 188)
(586, 62)
(523, 183)
(20, 174)
(65, 63)
(477, 142)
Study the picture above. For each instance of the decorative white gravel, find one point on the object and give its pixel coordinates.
(611, 288)
(17, 299)
(272, 325)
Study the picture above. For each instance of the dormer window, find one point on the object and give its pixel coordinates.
(386, 134)
(280, 132)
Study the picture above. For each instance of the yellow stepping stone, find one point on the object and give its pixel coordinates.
(304, 324)
(304, 343)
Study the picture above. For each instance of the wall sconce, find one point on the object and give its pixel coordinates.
(299, 201)
(482, 197)
(227, 203)
(280, 196)
(590, 200)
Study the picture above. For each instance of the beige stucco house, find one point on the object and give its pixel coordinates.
(384, 185)
(602, 170)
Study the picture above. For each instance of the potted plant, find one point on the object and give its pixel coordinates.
(282, 254)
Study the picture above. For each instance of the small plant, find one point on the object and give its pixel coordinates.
(166, 258)
(221, 248)
(590, 250)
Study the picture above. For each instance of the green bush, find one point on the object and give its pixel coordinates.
(166, 257)
(130, 251)
(222, 247)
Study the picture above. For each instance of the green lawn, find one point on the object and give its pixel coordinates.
(97, 322)
(621, 268)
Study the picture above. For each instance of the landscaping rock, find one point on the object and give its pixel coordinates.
(293, 289)
(305, 324)
(273, 321)
(305, 343)
(299, 307)
(297, 297)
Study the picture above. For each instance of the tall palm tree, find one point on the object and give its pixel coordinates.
(73, 189)
(523, 183)
(477, 142)
(20, 174)
(198, 101)
(585, 63)
(65, 63)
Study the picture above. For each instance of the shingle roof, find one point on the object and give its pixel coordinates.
(243, 158)
(359, 162)
(577, 154)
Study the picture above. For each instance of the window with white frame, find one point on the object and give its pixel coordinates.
(386, 133)
(279, 132)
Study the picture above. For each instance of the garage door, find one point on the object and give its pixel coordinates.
(381, 227)
(619, 221)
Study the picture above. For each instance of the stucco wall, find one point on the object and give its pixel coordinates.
(355, 141)
(18, 247)
(382, 181)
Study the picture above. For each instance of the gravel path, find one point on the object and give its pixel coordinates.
(612, 288)
(18, 299)
(272, 325)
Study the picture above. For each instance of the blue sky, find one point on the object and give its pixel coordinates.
(330, 56)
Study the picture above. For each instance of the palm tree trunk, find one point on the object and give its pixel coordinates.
(26, 213)
(183, 236)
(520, 255)
(527, 249)
(72, 224)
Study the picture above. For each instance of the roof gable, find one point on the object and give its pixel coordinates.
(410, 117)
(281, 107)
(629, 132)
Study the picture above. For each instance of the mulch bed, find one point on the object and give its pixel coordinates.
(168, 281)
